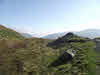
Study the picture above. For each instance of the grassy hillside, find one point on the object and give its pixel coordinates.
(32, 56)
(9, 33)
(97, 50)
(25, 56)
(84, 61)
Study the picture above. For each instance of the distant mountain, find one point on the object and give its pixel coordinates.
(66, 39)
(54, 36)
(89, 33)
(9, 33)
(26, 35)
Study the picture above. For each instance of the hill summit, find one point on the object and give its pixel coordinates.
(66, 39)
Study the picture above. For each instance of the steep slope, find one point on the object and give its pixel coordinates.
(9, 33)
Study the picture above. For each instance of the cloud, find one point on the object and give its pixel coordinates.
(90, 25)
(79, 27)
(29, 30)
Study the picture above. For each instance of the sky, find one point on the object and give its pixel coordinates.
(42, 17)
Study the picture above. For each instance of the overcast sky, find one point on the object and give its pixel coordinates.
(43, 17)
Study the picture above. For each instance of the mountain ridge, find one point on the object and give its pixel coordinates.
(89, 33)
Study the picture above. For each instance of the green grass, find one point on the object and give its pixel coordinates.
(26, 56)
(92, 62)
(89, 55)
(9, 33)
(35, 56)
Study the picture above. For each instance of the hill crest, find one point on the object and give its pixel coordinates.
(9, 33)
